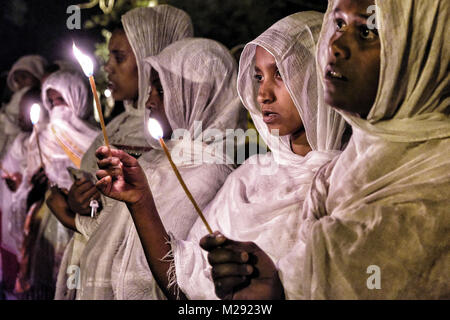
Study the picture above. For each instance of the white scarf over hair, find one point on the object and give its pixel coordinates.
(34, 64)
(148, 30)
(198, 77)
(262, 200)
(377, 216)
(64, 128)
(9, 127)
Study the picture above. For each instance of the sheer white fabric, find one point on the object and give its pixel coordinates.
(262, 200)
(113, 264)
(34, 64)
(15, 160)
(63, 129)
(149, 30)
(384, 202)
(9, 122)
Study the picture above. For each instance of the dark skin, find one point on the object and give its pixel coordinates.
(354, 54)
(24, 79)
(279, 111)
(40, 186)
(122, 178)
(122, 68)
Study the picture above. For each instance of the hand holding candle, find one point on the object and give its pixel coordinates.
(34, 116)
(88, 69)
(156, 131)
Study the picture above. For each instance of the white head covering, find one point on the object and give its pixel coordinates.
(261, 201)
(383, 204)
(202, 88)
(149, 30)
(34, 64)
(113, 263)
(64, 129)
(74, 89)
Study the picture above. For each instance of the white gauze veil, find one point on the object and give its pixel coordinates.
(382, 206)
(262, 200)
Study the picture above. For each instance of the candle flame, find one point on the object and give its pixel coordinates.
(84, 61)
(155, 128)
(35, 113)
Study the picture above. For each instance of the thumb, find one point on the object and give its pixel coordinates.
(104, 185)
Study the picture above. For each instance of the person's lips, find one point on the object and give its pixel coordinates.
(333, 74)
(269, 116)
(111, 86)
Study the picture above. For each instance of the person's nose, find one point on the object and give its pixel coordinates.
(266, 93)
(108, 66)
(152, 96)
(339, 46)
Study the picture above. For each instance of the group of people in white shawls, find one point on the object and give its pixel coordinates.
(350, 202)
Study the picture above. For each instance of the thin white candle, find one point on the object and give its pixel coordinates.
(88, 69)
(156, 131)
(35, 113)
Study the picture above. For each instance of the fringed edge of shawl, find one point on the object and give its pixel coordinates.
(171, 273)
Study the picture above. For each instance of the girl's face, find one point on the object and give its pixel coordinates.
(155, 103)
(353, 58)
(25, 79)
(278, 109)
(56, 99)
(122, 68)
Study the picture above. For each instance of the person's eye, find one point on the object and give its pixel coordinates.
(368, 34)
(278, 74)
(258, 77)
(339, 23)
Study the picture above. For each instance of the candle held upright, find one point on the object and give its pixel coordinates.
(156, 131)
(35, 114)
(88, 69)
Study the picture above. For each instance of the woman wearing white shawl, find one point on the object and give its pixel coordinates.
(193, 95)
(148, 30)
(269, 188)
(63, 141)
(376, 220)
(24, 74)
(262, 199)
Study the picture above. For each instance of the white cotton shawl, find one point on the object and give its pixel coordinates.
(34, 64)
(63, 128)
(262, 200)
(14, 161)
(380, 210)
(9, 121)
(199, 81)
(149, 30)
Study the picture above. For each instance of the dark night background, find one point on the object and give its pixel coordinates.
(39, 26)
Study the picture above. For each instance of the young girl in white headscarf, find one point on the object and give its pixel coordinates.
(261, 200)
(62, 141)
(146, 31)
(376, 220)
(24, 74)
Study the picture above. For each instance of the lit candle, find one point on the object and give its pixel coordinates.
(88, 69)
(156, 131)
(34, 116)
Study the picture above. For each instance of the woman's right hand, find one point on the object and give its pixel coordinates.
(40, 186)
(120, 176)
